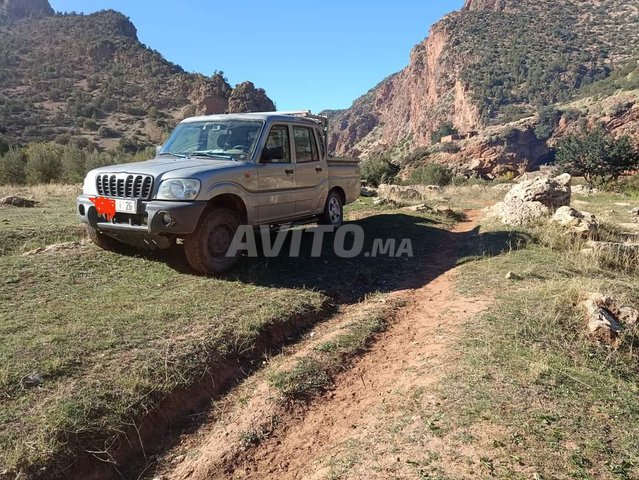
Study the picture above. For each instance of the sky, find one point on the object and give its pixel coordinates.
(306, 54)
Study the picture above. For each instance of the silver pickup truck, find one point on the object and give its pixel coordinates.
(214, 174)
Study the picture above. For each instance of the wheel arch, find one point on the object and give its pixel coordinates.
(232, 202)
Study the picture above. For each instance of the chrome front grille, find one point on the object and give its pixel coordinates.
(122, 185)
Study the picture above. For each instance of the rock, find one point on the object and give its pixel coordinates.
(502, 187)
(18, 202)
(583, 190)
(419, 208)
(31, 381)
(517, 212)
(628, 250)
(583, 224)
(444, 210)
(398, 193)
(602, 325)
(635, 213)
(58, 247)
(550, 192)
(607, 317)
(368, 192)
(512, 276)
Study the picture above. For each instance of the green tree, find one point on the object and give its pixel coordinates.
(379, 170)
(44, 163)
(597, 156)
(432, 174)
(12, 168)
(4, 145)
(548, 121)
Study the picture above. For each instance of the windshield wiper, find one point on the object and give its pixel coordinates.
(179, 155)
(210, 154)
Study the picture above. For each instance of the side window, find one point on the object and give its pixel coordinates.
(278, 146)
(305, 146)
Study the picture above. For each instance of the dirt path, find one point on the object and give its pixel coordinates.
(347, 430)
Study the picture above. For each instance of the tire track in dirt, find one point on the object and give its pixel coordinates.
(415, 351)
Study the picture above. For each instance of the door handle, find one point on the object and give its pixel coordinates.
(319, 169)
(289, 172)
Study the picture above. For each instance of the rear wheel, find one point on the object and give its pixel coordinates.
(207, 247)
(102, 240)
(333, 211)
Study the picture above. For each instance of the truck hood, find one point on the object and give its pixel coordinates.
(170, 167)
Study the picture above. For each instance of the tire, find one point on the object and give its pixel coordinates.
(333, 210)
(206, 248)
(102, 240)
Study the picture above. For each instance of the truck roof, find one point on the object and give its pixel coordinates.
(302, 117)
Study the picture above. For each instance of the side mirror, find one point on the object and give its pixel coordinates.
(158, 148)
(271, 154)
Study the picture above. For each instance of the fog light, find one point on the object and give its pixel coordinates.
(167, 220)
(81, 209)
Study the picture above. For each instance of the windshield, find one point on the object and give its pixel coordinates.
(232, 139)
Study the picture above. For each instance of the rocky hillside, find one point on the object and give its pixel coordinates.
(64, 77)
(491, 63)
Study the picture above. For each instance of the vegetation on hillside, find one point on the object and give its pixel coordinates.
(89, 76)
(49, 162)
(566, 45)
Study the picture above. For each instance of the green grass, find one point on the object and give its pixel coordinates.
(565, 407)
(314, 373)
(112, 336)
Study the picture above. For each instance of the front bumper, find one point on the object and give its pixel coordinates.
(150, 219)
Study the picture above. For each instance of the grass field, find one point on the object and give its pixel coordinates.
(92, 341)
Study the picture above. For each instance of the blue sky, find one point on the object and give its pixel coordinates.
(312, 54)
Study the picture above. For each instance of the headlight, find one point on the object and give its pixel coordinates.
(186, 189)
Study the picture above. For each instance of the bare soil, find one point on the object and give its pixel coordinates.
(348, 431)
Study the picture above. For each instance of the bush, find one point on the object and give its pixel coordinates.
(4, 145)
(12, 168)
(629, 185)
(548, 122)
(379, 170)
(597, 156)
(432, 174)
(44, 163)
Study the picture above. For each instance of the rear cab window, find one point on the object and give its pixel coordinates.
(305, 145)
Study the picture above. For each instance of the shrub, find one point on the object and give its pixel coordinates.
(443, 131)
(12, 168)
(597, 156)
(44, 163)
(4, 145)
(432, 174)
(379, 170)
(73, 165)
(548, 122)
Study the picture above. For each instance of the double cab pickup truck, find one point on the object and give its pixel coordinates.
(214, 174)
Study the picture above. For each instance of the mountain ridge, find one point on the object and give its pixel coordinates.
(489, 63)
(87, 78)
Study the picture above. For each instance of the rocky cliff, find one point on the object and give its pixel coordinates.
(16, 10)
(491, 63)
(88, 78)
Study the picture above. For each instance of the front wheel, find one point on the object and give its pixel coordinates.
(333, 211)
(206, 249)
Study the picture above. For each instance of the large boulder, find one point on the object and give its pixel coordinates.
(582, 224)
(18, 202)
(550, 192)
(516, 212)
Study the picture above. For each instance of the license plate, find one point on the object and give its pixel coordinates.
(126, 206)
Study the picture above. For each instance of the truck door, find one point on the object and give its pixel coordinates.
(276, 177)
(311, 175)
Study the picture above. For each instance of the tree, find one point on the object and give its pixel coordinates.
(597, 156)
(548, 121)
